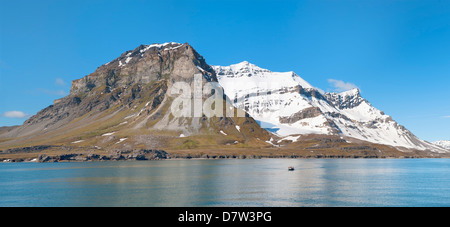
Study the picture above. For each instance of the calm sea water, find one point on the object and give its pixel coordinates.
(263, 182)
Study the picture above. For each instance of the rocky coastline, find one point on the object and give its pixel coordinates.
(58, 153)
(133, 155)
(150, 154)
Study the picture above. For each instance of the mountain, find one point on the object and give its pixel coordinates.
(443, 143)
(127, 104)
(164, 100)
(287, 105)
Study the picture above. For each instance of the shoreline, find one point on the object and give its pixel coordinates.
(86, 154)
(55, 160)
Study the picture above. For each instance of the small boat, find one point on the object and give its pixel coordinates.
(291, 168)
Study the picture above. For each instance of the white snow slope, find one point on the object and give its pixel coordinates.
(287, 105)
(443, 143)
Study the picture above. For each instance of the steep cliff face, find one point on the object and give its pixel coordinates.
(145, 64)
(127, 103)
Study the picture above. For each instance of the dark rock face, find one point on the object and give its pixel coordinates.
(26, 149)
(135, 155)
(142, 154)
(305, 113)
(347, 101)
(310, 93)
(46, 158)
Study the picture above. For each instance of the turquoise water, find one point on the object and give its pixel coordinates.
(228, 182)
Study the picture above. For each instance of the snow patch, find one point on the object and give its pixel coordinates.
(173, 48)
(200, 68)
(128, 60)
(130, 116)
(78, 141)
(108, 134)
(121, 140)
(159, 46)
(271, 143)
(291, 138)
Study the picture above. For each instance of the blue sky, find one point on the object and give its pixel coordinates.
(396, 52)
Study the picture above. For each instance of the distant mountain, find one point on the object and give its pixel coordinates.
(287, 105)
(443, 143)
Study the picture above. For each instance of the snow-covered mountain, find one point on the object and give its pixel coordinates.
(443, 143)
(287, 105)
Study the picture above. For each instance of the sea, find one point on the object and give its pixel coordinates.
(228, 183)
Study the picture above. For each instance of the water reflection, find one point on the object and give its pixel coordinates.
(265, 182)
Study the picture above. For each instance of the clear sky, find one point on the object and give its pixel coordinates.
(396, 52)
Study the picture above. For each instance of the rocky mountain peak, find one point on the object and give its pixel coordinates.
(347, 99)
(145, 64)
(240, 69)
(351, 93)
